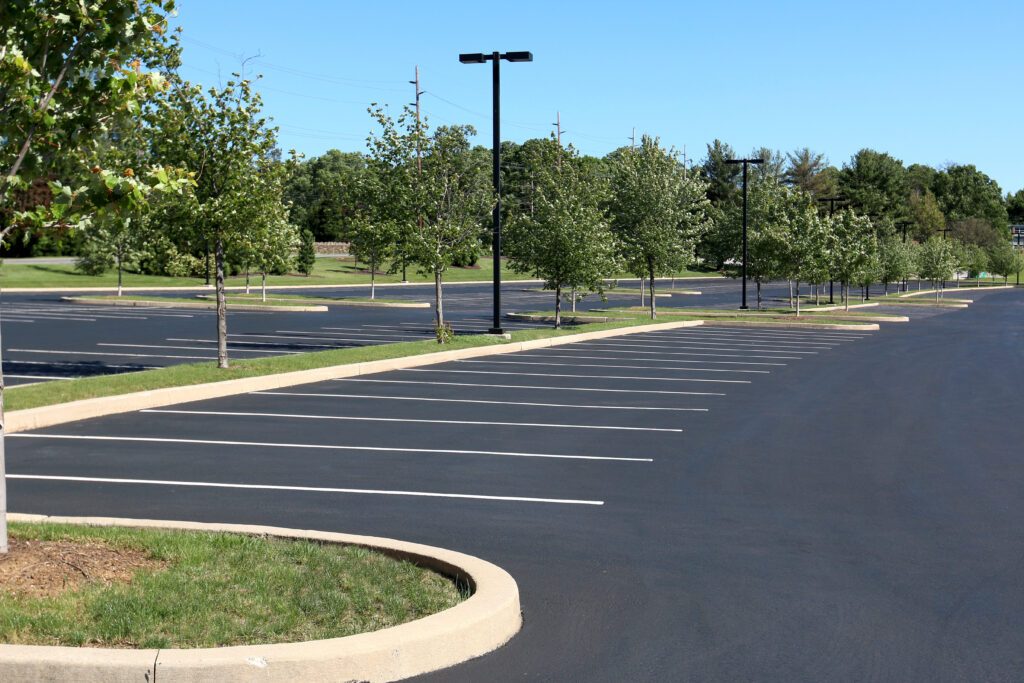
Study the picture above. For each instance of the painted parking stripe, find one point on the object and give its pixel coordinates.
(329, 447)
(558, 374)
(714, 338)
(616, 348)
(8, 375)
(294, 337)
(231, 342)
(663, 348)
(710, 346)
(534, 388)
(194, 348)
(310, 489)
(292, 416)
(639, 360)
(599, 365)
(469, 400)
(789, 339)
(116, 354)
(78, 364)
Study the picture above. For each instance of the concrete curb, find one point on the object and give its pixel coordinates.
(45, 416)
(868, 327)
(966, 289)
(344, 302)
(484, 622)
(237, 288)
(186, 304)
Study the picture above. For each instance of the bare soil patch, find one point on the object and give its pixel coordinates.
(41, 569)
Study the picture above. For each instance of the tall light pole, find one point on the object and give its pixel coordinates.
(831, 212)
(743, 307)
(496, 57)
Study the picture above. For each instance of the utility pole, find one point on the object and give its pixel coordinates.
(419, 164)
(558, 135)
(634, 137)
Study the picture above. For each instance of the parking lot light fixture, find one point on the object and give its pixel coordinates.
(743, 306)
(495, 58)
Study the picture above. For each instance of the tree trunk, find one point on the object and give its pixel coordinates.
(222, 306)
(654, 307)
(641, 292)
(264, 285)
(247, 277)
(119, 260)
(758, 284)
(558, 306)
(847, 297)
(798, 298)
(438, 306)
(791, 294)
(373, 274)
(574, 299)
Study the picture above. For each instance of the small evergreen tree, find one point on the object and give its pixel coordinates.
(306, 257)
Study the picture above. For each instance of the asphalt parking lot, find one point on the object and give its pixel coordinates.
(705, 503)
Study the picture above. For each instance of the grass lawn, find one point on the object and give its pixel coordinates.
(299, 298)
(63, 391)
(216, 589)
(326, 271)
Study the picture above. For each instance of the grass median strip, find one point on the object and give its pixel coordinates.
(228, 589)
(64, 391)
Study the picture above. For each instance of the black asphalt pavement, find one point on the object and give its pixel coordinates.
(708, 503)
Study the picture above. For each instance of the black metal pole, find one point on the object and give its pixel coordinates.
(496, 238)
(744, 306)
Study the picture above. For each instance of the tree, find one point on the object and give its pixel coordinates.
(221, 136)
(964, 192)
(306, 258)
(896, 261)
(64, 72)
(374, 243)
(1015, 207)
(924, 212)
(1002, 260)
(935, 261)
(875, 183)
(975, 260)
(976, 231)
(768, 237)
(658, 215)
(804, 171)
(850, 244)
(564, 237)
(773, 166)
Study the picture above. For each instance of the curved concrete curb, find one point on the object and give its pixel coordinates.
(474, 627)
(187, 304)
(45, 416)
(966, 289)
(868, 327)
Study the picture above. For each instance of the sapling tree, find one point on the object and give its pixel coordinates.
(374, 243)
(222, 138)
(1002, 259)
(850, 244)
(564, 237)
(935, 261)
(896, 261)
(658, 214)
(305, 259)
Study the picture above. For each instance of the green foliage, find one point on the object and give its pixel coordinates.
(324, 194)
(1002, 259)
(936, 260)
(805, 171)
(874, 183)
(657, 214)
(722, 241)
(896, 259)
(974, 259)
(306, 257)
(964, 192)
(563, 237)
(1015, 207)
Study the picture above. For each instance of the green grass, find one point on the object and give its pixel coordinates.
(326, 271)
(63, 391)
(224, 589)
(314, 299)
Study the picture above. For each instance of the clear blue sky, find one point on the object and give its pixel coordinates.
(929, 82)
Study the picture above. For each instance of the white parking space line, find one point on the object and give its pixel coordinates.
(558, 374)
(713, 346)
(722, 336)
(194, 348)
(115, 354)
(293, 416)
(598, 365)
(469, 400)
(740, 340)
(309, 489)
(330, 447)
(8, 375)
(230, 343)
(640, 360)
(10, 361)
(531, 387)
(282, 336)
(616, 348)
